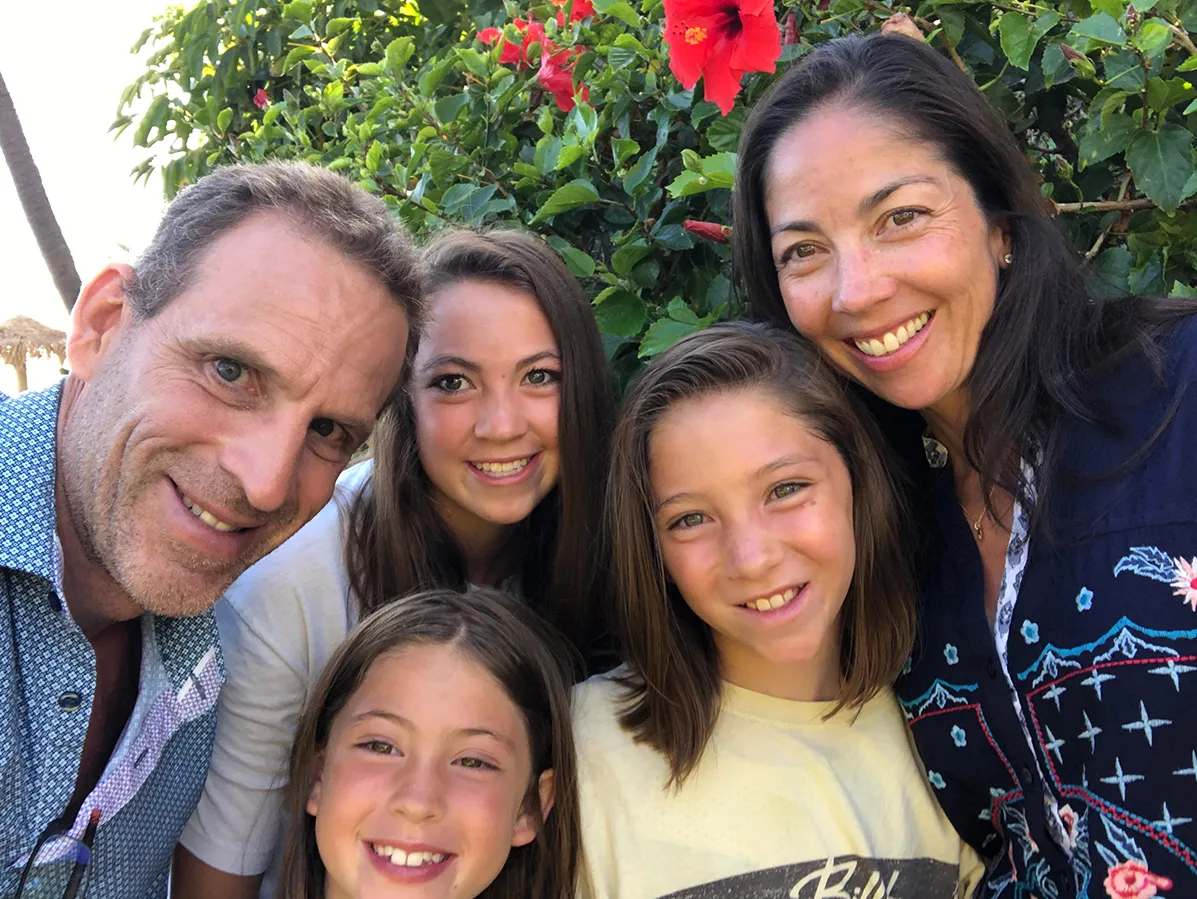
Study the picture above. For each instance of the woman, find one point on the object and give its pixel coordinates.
(487, 471)
(885, 212)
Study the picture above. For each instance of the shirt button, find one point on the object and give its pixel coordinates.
(70, 701)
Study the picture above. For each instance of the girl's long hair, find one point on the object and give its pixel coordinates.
(534, 665)
(674, 680)
(1048, 338)
(398, 543)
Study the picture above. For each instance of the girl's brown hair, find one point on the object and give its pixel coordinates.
(397, 542)
(674, 681)
(532, 663)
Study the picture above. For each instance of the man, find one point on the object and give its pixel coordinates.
(217, 389)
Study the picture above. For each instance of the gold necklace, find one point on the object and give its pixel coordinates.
(976, 525)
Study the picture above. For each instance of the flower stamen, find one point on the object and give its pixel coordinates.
(695, 35)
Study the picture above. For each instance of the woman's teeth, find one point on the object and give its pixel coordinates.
(397, 856)
(503, 467)
(208, 518)
(776, 601)
(891, 340)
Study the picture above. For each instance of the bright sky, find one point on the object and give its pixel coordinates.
(66, 85)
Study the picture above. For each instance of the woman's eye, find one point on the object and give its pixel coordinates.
(231, 371)
(541, 376)
(450, 383)
(903, 217)
(689, 520)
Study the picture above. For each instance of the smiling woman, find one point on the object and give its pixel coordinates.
(487, 470)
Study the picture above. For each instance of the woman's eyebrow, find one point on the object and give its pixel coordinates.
(866, 205)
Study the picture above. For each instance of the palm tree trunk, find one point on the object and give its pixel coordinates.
(34, 202)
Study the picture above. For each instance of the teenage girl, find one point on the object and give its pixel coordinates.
(488, 470)
(752, 746)
(434, 758)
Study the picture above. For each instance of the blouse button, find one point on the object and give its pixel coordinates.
(70, 701)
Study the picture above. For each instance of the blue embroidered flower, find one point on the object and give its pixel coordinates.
(1030, 631)
(950, 653)
(936, 779)
(1084, 600)
(958, 735)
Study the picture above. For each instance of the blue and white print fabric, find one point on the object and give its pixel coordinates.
(1084, 781)
(47, 679)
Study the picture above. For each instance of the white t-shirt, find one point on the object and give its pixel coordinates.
(782, 803)
(279, 624)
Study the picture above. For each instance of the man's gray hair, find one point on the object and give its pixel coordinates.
(319, 202)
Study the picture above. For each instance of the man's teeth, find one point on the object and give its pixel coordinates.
(208, 518)
(397, 856)
(891, 340)
(503, 467)
(776, 601)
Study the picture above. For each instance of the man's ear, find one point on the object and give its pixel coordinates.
(525, 825)
(99, 314)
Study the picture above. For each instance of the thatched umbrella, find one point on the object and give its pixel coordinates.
(23, 338)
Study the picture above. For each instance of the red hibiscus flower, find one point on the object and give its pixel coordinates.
(1132, 880)
(490, 35)
(582, 9)
(261, 99)
(709, 230)
(720, 40)
(517, 54)
(556, 74)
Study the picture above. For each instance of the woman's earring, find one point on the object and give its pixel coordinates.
(1008, 258)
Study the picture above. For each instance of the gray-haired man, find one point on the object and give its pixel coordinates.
(217, 389)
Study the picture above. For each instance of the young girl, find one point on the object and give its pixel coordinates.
(434, 758)
(752, 746)
(488, 469)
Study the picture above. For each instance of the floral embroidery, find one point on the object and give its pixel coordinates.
(951, 654)
(1084, 600)
(958, 736)
(1070, 821)
(1185, 581)
(1132, 880)
(936, 779)
(1030, 631)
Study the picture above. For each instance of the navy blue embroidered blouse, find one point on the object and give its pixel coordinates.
(1070, 761)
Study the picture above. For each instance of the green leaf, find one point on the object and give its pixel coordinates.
(689, 183)
(548, 148)
(679, 311)
(1017, 43)
(452, 199)
(1153, 37)
(1122, 70)
(374, 156)
(625, 258)
(579, 263)
(301, 11)
(569, 154)
(692, 161)
(447, 109)
(629, 42)
(1113, 8)
(1188, 65)
(474, 61)
(475, 206)
(622, 148)
(1102, 141)
(663, 334)
(1164, 93)
(639, 172)
(1182, 290)
(399, 51)
(222, 120)
(618, 9)
(621, 58)
(720, 168)
(370, 68)
(296, 54)
(1162, 163)
(272, 113)
(1114, 267)
(619, 312)
(337, 25)
(431, 79)
(578, 192)
(1101, 28)
(674, 237)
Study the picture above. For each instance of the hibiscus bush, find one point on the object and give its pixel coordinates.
(610, 126)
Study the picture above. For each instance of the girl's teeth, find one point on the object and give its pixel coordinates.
(892, 340)
(503, 467)
(776, 601)
(397, 856)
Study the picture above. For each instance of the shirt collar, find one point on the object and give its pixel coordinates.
(28, 523)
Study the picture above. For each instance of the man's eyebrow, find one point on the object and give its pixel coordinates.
(866, 205)
(232, 348)
(447, 359)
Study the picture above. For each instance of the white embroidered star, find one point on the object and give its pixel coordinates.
(1167, 822)
(1145, 724)
(1121, 779)
(1095, 680)
(1089, 733)
(1172, 671)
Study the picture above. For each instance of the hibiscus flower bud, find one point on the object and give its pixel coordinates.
(261, 99)
(900, 23)
(791, 35)
(708, 230)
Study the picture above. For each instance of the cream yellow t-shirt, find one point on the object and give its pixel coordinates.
(782, 804)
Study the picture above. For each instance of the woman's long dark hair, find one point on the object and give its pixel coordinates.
(1047, 337)
(674, 680)
(533, 665)
(397, 542)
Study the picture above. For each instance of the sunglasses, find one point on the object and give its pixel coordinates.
(58, 857)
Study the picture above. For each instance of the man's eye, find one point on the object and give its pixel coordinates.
(230, 370)
(325, 427)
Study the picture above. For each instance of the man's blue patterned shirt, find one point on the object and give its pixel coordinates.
(47, 679)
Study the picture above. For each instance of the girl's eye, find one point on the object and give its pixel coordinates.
(231, 371)
(782, 491)
(476, 764)
(539, 377)
(689, 520)
(450, 383)
(378, 747)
